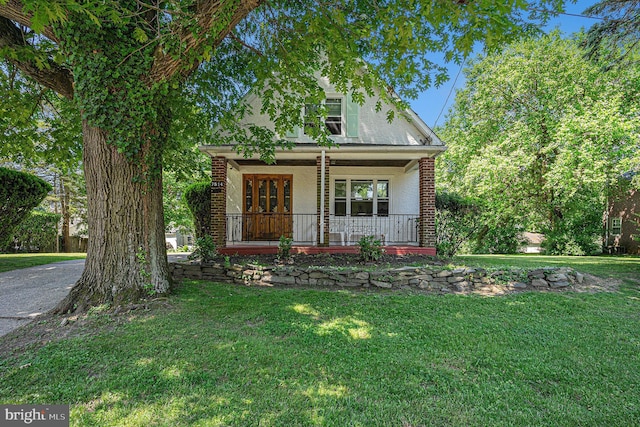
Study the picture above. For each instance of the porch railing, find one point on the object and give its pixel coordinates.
(343, 230)
(390, 229)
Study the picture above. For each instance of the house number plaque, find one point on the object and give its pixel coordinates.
(217, 186)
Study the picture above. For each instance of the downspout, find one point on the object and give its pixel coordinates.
(322, 190)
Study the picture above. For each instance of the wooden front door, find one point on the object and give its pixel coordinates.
(267, 206)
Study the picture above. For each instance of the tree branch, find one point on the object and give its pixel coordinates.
(207, 14)
(52, 75)
(13, 10)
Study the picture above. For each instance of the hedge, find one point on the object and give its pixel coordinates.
(19, 193)
(198, 199)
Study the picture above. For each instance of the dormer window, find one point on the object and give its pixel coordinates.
(333, 121)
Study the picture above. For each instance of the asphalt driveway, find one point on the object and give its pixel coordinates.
(28, 292)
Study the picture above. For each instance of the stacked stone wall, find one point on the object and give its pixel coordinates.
(433, 278)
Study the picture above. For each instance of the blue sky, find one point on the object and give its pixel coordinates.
(430, 103)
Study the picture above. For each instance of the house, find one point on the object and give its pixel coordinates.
(622, 224)
(532, 243)
(378, 180)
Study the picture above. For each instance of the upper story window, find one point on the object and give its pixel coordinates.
(616, 226)
(333, 120)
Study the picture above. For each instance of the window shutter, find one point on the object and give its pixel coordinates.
(293, 133)
(353, 110)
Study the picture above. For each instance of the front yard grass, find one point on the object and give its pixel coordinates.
(616, 267)
(10, 262)
(224, 355)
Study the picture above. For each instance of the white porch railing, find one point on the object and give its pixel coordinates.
(343, 230)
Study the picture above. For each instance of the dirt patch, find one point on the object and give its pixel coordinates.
(48, 328)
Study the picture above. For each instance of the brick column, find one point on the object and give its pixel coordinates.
(325, 229)
(219, 201)
(427, 228)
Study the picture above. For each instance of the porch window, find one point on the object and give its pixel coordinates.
(616, 226)
(333, 120)
(359, 197)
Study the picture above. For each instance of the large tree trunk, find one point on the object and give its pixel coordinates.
(126, 254)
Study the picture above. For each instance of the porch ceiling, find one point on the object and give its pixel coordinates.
(344, 155)
(334, 162)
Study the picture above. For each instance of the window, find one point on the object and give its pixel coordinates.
(333, 120)
(616, 225)
(361, 197)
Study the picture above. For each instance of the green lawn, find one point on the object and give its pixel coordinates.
(10, 262)
(224, 355)
(620, 267)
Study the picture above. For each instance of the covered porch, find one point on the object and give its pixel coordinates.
(325, 199)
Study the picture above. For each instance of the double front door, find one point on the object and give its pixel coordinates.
(267, 207)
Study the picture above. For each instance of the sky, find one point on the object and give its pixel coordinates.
(432, 105)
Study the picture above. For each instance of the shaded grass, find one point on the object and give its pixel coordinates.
(235, 356)
(10, 262)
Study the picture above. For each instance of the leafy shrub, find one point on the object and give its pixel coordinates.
(577, 233)
(457, 220)
(198, 198)
(205, 249)
(19, 193)
(498, 237)
(37, 232)
(284, 248)
(370, 248)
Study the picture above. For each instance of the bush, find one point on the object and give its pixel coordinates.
(501, 237)
(205, 249)
(370, 248)
(457, 221)
(284, 249)
(36, 233)
(19, 193)
(572, 239)
(198, 198)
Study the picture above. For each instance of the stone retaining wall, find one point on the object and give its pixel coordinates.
(430, 278)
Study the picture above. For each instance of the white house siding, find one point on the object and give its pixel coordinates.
(373, 127)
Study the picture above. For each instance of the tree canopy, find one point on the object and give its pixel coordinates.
(541, 133)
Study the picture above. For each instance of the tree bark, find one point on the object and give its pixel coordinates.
(126, 254)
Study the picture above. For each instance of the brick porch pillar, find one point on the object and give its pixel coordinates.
(322, 198)
(219, 201)
(427, 228)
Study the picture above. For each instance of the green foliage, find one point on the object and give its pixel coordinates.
(614, 39)
(110, 69)
(284, 248)
(205, 249)
(198, 198)
(457, 220)
(370, 248)
(143, 263)
(36, 233)
(577, 233)
(539, 133)
(502, 237)
(19, 194)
